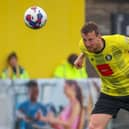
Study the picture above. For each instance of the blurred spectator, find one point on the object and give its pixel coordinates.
(68, 71)
(51, 108)
(70, 117)
(26, 111)
(61, 108)
(13, 69)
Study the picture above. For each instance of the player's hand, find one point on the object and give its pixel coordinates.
(27, 119)
(38, 115)
(78, 64)
(21, 115)
(51, 119)
(79, 61)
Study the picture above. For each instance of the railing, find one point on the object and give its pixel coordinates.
(13, 92)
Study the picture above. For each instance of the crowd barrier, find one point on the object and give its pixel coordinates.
(13, 92)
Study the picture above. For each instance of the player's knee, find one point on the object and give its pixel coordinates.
(95, 125)
(92, 125)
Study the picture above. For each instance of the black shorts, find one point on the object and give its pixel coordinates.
(111, 104)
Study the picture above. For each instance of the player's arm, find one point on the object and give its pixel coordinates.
(122, 42)
(41, 117)
(79, 61)
(20, 112)
(127, 42)
(67, 124)
(20, 115)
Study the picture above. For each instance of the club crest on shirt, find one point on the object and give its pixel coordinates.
(108, 57)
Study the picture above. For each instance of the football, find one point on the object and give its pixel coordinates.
(35, 17)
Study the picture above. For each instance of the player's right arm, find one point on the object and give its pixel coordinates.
(20, 115)
(21, 112)
(79, 61)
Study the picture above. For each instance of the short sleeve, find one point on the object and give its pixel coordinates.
(122, 41)
(127, 42)
(23, 106)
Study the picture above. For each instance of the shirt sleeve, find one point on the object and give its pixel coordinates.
(123, 41)
(23, 107)
(127, 42)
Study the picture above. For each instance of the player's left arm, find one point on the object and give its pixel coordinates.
(67, 124)
(124, 42)
(127, 41)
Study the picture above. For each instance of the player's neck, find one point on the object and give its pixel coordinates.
(101, 46)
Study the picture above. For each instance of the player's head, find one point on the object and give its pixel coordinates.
(33, 90)
(73, 90)
(91, 36)
(12, 59)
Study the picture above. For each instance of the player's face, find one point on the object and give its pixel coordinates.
(91, 41)
(33, 93)
(67, 90)
(13, 62)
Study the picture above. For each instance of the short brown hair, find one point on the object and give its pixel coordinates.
(90, 27)
(32, 83)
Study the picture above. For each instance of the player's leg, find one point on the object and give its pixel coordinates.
(125, 102)
(99, 121)
(105, 108)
